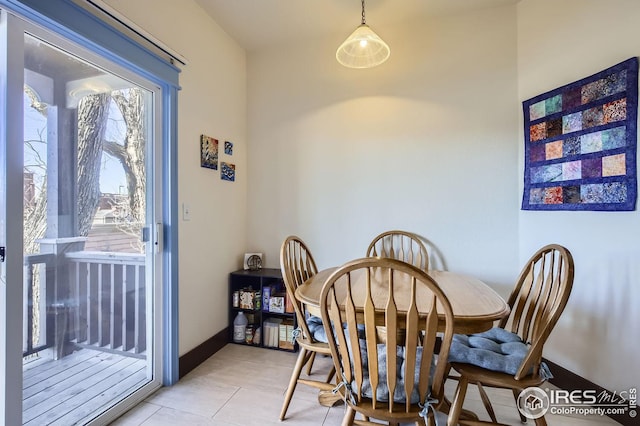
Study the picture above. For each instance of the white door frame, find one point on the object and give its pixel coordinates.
(11, 273)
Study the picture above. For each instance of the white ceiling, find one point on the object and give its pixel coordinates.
(259, 23)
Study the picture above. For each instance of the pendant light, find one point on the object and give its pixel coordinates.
(363, 48)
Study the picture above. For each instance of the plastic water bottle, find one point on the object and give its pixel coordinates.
(239, 327)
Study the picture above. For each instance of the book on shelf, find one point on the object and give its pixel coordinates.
(249, 299)
(266, 295)
(286, 334)
(288, 305)
(271, 332)
(276, 304)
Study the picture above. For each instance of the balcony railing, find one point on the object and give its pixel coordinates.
(83, 298)
(38, 278)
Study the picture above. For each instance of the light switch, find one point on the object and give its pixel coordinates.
(186, 211)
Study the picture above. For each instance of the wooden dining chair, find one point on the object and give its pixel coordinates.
(537, 301)
(401, 245)
(400, 380)
(297, 265)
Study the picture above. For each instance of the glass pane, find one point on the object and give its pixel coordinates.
(85, 343)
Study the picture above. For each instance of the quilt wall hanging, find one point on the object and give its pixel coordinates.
(580, 143)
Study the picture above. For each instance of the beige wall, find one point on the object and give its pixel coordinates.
(212, 100)
(426, 142)
(560, 42)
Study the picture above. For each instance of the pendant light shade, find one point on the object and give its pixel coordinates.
(363, 48)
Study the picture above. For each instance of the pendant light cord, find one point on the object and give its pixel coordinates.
(363, 20)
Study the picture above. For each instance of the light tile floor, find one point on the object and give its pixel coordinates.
(244, 386)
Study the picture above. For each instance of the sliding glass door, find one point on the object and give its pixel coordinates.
(82, 211)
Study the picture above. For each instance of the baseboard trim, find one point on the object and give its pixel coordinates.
(200, 353)
(568, 380)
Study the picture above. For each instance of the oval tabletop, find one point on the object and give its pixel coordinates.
(476, 306)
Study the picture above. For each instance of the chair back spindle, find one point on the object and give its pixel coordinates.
(401, 245)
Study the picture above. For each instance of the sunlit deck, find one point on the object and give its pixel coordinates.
(73, 389)
(88, 310)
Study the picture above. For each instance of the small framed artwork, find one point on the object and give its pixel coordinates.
(208, 152)
(228, 148)
(227, 171)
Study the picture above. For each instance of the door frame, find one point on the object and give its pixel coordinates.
(71, 22)
(10, 212)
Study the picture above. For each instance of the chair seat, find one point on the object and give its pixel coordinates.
(320, 347)
(494, 378)
(497, 350)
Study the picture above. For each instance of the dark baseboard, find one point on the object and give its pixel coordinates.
(200, 353)
(567, 380)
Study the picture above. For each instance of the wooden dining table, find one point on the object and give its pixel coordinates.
(475, 305)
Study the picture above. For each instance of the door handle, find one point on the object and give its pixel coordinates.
(153, 234)
(157, 243)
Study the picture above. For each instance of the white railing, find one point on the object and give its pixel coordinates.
(109, 293)
(85, 298)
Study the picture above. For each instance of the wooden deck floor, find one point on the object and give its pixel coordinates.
(75, 388)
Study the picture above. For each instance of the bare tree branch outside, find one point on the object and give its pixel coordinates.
(96, 115)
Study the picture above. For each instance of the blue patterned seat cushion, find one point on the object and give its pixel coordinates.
(317, 329)
(496, 350)
(382, 392)
(399, 395)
